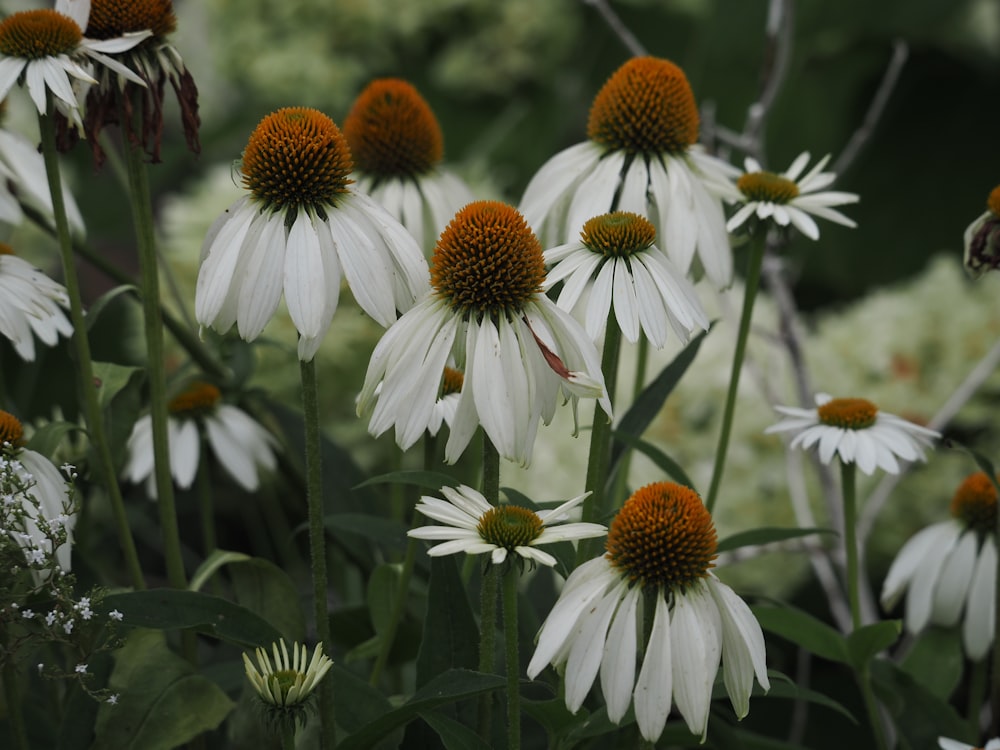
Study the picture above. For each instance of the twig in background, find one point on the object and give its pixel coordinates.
(611, 18)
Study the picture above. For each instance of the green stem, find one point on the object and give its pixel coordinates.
(488, 594)
(595, 506)
(847, 483)
(871, 706)
(638, 384)
(288, 738)
(206, 509)
(511, 657)
(92, 407)
(12, 697)
(756, 257)
(142, 216)
(317, 540)
(977, 689)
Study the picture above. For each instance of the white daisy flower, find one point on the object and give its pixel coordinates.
(397, 147)
(300, 230)
(22, 180)
(155, 60)
(474, 527)
(786, 199)
(46, 48)
(241, 445)
(949, 744)
(856, 431)
(662, 542)
(286, 681)
(30, 305)
(982, 239)
(641, 156)
(948, 570)
(46, 501)
(487, 312)
(615, 261)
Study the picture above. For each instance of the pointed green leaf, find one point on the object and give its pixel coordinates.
(454, 736)
(920, 716)
(766, 535)
(664, 462)
(429, 480)
(111, 379)
(211, 565)
(162, 702)
(937, 660)
(385, 532)
(47, 438)
(451, 636)
(868, 640)
(383, 587)
(783, 687)
(804, 630)
(169, 609)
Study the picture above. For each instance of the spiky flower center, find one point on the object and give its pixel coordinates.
(510, 526)
(113, 18)
(488, 261)
(646, 106)
(993, 202)
(11, 430)
(297, 157)
(663, 536)
(618, 234)
(975, 503)
(452, 381)
(392, 132)
(198, 398)
(6, 249)
(767, 187)
(848, 413)
(34, 34)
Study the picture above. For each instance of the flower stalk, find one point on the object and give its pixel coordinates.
(488, 593)
(317, 539)
(92, 408)
(754, 261)
(511, 656)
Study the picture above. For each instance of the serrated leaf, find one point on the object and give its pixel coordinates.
(868, 640)
(766, 535)
(163, 703)
(171, 609)
(804, 630)
(454, 685)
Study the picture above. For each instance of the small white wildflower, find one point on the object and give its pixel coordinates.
(41, 666)
(69, 470)
(116, 615)
(68, 626)
(112, 699)
(28, 614)
(81, 669)
(50, 618)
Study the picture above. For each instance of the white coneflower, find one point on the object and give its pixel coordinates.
(397, 147)
(948, 570)
(787, 198)
(855, 430)
(474, 527)
(659, 553)
(642, 157)
(615, 265)
(949, 744)
(242, 446)
(31, 304)
(488, 314)
(300, 230)
(285, 683)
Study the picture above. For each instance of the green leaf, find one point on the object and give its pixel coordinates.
(648, 404)
(169, 609)
(451, 636)
(111, 379)
(48, 437)
(783, 687)
(429, 480)
(356, 702)
(383, 587)
(868, 640)
(163, 703)
(664, 462)
(936, 660)
(211, 566)
(804, 630)
(270, 593)
(920, 716)
(387, 533)
(984, 464)
(454, 685)
(454, 736)
(766, 535)
(109, 299)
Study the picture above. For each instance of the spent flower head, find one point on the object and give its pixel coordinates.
(982, 239)
(660, 551)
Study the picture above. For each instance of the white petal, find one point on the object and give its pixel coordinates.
(656, 678)
(618, 660)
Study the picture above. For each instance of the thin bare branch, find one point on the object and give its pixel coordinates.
(777, 52)
(900, 52)
(631, 42)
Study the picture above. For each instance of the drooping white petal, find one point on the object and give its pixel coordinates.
(655, 685)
